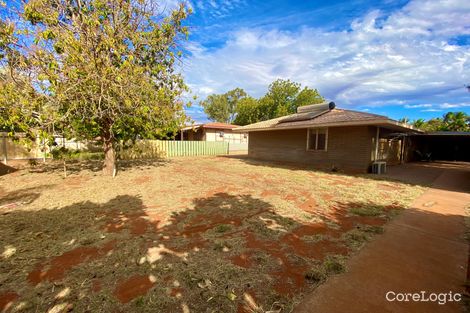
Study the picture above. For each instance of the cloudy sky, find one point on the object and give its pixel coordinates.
(400, 58)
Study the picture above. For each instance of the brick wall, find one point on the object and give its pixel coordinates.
(349, 148)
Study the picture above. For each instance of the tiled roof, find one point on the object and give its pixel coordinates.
(332, 117)
(212, 125)
(219, 125)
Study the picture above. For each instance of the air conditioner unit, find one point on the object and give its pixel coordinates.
(379, 167)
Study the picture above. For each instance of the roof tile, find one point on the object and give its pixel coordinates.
(330, 117)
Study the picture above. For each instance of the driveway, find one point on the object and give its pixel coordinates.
(423, 249)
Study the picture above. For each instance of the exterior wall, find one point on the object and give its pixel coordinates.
(229, 136)
(194, 135)
(349, 148)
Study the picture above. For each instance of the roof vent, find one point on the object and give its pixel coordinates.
(308, 112)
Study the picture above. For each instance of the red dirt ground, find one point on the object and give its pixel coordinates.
(133, 287)
(270, 225)
(56, 268)
(289, 277)
(7, 299)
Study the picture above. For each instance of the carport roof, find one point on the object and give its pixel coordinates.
(446, 133)
(331, 118)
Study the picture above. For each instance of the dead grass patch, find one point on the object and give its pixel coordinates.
(213, 234)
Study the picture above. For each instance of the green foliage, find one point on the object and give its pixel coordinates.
(451, 121)
(97, 70)
(248, 111)
(222, 108)
(283, 98)
(62, 153)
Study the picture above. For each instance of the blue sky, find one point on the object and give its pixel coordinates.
(399, 58)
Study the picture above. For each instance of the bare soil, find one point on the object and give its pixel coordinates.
(200, 234)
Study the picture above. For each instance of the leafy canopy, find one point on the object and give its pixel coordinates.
(282, 98)
(92, 69)
(222, 108)
(451, 121)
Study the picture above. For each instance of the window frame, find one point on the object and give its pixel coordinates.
(316, 139)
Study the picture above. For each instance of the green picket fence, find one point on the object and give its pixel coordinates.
(166, 148)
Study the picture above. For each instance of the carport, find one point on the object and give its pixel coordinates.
(441, 145)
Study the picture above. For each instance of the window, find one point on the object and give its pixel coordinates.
(221, 134)
(317, 139)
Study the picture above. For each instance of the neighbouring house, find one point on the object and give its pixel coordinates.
(213, 132)
(330, 138)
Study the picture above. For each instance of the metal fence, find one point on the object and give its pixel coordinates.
(166, 148)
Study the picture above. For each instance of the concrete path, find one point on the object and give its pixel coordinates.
(423, 249)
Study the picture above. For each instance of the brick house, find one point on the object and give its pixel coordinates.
(327, 137)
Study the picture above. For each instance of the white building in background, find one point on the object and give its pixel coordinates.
(213, 132)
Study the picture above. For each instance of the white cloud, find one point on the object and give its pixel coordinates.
(406, 56)
(454, 105)
(417, 106)
(431, 110)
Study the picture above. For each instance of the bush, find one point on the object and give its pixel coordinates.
(63, 153)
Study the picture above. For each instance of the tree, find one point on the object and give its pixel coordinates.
(248, 111)
(404, 120)
(451, 121)
(419, 123)
(434, 124)
(308, 96)
(223, 108)
(456, 121)
(100, 70)
(284, 96)
(235, 106)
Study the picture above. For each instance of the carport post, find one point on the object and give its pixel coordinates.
(402, 150)
(377, 144)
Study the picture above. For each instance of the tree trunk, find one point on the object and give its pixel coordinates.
(109, 165)
(65, 168)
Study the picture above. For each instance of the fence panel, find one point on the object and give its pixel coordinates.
(142, 149)
(167, 148)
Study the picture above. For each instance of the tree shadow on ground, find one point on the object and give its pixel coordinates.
(226, 252)
(5, 169)
(11, 200)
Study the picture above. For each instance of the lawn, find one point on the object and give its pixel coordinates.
(207, 234)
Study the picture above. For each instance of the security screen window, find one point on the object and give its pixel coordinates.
(317, 139)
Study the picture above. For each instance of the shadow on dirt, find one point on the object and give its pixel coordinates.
(225, 252)
(76, 166)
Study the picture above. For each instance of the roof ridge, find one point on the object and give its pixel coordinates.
(366, 113)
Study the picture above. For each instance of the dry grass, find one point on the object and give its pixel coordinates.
(191, 235)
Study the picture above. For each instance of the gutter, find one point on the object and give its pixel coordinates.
(337, 124)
